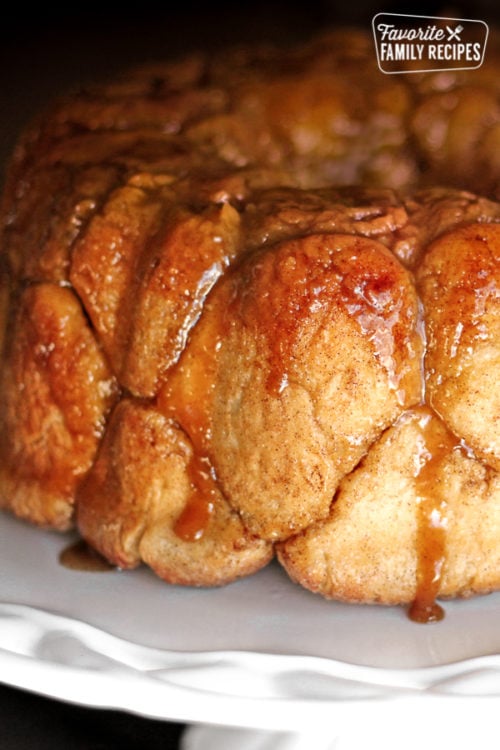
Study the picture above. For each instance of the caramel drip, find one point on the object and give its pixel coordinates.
(193, 521)
(81, 556)
(435, 445)
(187, 398)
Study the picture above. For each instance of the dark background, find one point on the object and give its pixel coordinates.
(47, 51)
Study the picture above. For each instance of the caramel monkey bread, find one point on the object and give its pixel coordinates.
(250, 309)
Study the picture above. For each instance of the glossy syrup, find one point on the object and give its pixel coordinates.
(435, 445)
(321, 275)
(81, 556)
(187, 398)
(195, 517)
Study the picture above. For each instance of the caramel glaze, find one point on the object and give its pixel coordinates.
(186, 397)
(195, 517)
(81, 556)
(313, 277)
(435, 445)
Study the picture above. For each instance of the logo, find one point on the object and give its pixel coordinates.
(424, 44)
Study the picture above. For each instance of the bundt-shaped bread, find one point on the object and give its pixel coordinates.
(251, 306)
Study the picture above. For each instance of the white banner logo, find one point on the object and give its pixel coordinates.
(422, 44)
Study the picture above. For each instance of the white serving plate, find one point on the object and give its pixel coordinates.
(261, 653)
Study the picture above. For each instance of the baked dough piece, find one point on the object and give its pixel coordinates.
(132, 505)
(459, 281)
(56, 389)
(417, 517)
(143, 270)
